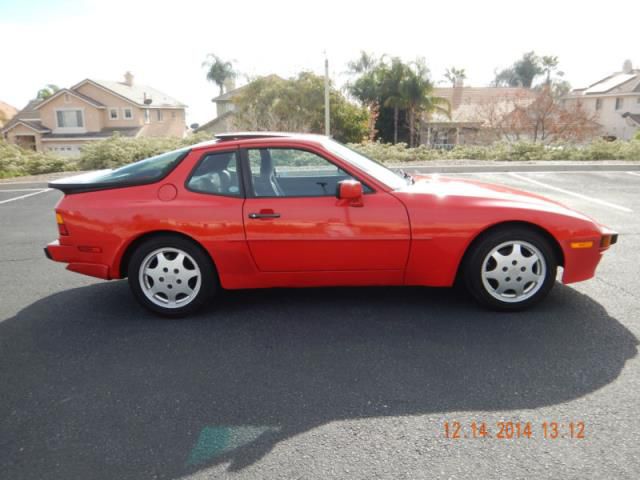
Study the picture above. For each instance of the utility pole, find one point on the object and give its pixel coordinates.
(327, 121)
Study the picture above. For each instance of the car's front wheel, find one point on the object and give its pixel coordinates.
(171, 276)
(510, 269)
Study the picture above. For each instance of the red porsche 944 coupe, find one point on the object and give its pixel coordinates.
(260, 210)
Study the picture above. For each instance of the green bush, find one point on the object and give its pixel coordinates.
(117, 150)
(16, 161)
(517, 151)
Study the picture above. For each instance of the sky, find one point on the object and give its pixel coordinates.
(163, 43)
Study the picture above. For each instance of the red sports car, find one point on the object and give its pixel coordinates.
(260, 210)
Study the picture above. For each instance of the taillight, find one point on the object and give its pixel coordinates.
(62, 228)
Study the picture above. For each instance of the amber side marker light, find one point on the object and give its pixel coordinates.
(588, 244)
(62, 228)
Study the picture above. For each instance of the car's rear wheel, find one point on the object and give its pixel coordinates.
(510, 269)
(171, 276)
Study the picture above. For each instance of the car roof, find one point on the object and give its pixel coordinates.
(267, 137)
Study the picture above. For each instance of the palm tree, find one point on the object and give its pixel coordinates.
(550, 65)
(366, 87)
(418, 93)
(455, 75)
(218, 70)
(393, 78)
(47, 91)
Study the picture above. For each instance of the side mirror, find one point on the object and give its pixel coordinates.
(350, 190)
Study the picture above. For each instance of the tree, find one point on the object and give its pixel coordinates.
(219, 71)
(549, 65)
(393, 78)
(366, 86)
(521, 74)
(417, 90)
(455, 75)
(47, 91)
(539, 115)
(297, 104)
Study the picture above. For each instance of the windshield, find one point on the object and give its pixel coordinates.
(380, 172)
(147, 170)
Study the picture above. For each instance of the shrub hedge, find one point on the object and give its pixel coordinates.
(16, 162)
(117, 150)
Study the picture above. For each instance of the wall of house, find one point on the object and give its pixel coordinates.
(113, 101)
(613, 124)
(22, 130)
(92, 116)
(172, 124)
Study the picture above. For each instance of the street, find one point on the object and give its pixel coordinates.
(320, 383)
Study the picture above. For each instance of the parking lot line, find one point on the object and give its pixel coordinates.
(20, 190)
(634, 173)
(573, 194)
(25, 196)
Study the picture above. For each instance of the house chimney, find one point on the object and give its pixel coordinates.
(128, 79)
(627, 67)
(229, 84)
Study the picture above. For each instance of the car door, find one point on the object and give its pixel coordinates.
(295, 223)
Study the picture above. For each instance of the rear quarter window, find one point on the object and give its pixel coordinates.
(145, 171)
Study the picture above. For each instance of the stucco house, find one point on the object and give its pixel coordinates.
(472, 109)
(225, 109)
(615, 101)
(93, 110)
(7, 112)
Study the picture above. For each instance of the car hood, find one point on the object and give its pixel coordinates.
(443, 187)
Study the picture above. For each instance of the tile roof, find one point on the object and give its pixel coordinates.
(138, 93)
(29, 112)
(467, 103)
(633, 116)
(618, 82)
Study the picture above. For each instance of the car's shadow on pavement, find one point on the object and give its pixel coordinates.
(94, 387)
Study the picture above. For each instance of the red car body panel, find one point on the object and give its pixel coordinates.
(416, 235)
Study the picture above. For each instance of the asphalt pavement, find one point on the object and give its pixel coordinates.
(321, 383)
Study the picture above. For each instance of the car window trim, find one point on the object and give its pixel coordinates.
(244, 156)
(239, 174)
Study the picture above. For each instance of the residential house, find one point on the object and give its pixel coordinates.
(615, 101)
(7, 112)
(93, 110)
(225, 110)
(472, 112)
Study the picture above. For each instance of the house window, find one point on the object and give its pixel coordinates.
(159, 115)
(70, 118)
(113, 114)
(619, 102)
(598, 103)
(147, 116)
(127, 113)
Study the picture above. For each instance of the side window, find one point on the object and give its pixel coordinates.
(216, 174)
(289, 172)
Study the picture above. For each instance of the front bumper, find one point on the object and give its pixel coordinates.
(77, 261)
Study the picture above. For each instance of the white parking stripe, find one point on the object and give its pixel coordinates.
(573, 194)
(634, 173)
(21, 190)
(25, 196)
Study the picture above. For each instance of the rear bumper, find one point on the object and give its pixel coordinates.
(76, 260)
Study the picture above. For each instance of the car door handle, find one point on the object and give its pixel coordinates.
(264, 215)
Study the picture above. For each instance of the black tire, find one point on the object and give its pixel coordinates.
(195, 260)
(486, 290)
